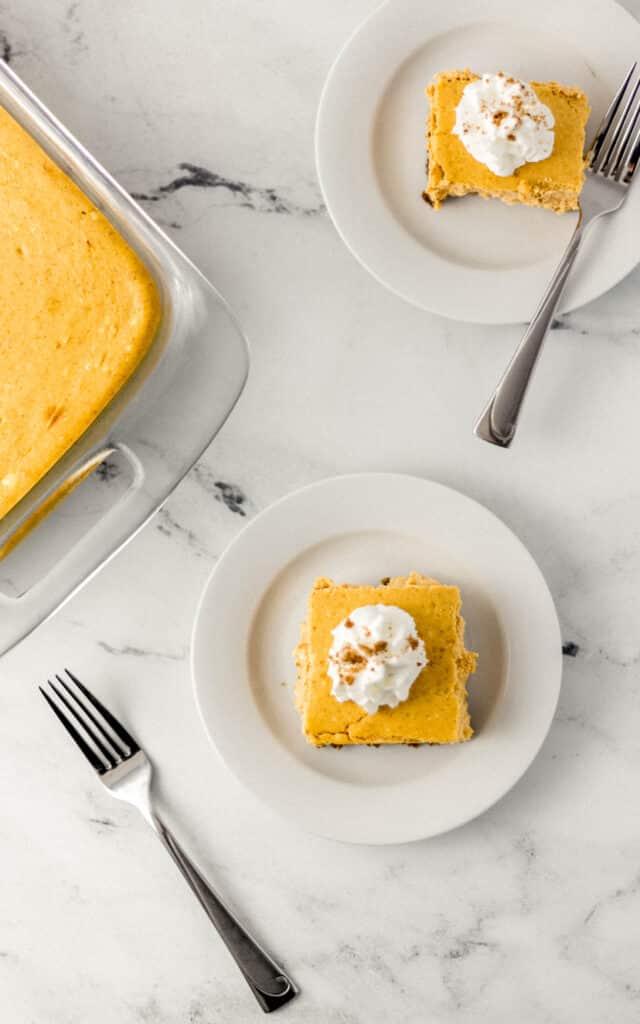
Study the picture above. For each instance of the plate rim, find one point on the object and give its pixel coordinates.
(420, 833)
(477, 315)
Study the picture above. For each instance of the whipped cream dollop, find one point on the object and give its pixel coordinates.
(375, 657)
(503, 124)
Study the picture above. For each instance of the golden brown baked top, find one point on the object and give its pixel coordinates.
(554, 182)
(78, 311)
(436, 709)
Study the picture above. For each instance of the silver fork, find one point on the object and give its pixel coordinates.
(125, 770)
(612, 162)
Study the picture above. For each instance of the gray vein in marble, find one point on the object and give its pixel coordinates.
(580, 721)
(107, 470)
(314, 907)
(230, 495)
(600, 652)
(150, 1011)
(139, 652)
(6, 50)
(566, 323)
(212, 1005)
(525, 845)
(413, 952)
(170, 527)
(574, 941)
(71, 27)
(453, 950)
(596, 323)
(251, 197)
(570, 650)
(395, 870)
(104, 823)
(612, 659)
(467, 946)
(370, 961)
(9, 51)
(631, 889)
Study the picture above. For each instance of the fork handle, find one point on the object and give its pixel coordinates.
(498, 422)
(268, 982)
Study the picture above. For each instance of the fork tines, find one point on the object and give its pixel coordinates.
(616, 147)
(101, 738)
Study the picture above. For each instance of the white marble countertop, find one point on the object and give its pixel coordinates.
(533, 910)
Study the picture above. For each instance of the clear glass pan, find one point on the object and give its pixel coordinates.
(158, 424)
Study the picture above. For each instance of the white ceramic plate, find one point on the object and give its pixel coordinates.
(358, 529)
(472, 260)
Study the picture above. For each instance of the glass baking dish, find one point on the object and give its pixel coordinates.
(151, 433)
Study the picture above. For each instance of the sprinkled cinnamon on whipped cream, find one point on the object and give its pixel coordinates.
(502, 123)
(376, 656)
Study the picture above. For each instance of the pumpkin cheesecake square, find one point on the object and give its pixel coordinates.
(435, 710)
(554, 182)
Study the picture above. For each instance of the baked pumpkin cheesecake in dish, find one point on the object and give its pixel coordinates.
(498, 137)
(383, 664)
(79, 311)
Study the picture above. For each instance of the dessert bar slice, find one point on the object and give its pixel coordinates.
(435, 710)
(554, 182)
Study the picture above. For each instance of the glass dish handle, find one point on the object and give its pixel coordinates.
(20, 614)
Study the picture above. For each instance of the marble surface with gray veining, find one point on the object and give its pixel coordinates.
(205, 110)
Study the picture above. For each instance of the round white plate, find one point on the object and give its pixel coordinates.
(358, 529)
(472, 260)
